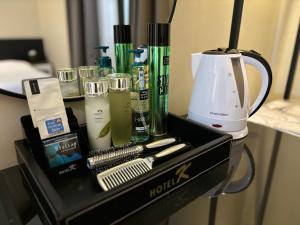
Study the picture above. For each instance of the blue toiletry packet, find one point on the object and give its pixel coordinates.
(62, 150)
(54, 126)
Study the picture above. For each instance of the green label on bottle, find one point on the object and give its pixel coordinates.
(162, 84)
(105, 130)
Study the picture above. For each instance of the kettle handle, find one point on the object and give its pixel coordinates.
(255, 59)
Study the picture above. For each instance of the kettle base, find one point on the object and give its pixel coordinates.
(239, 134)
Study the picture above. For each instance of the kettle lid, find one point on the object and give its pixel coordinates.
(221, 51)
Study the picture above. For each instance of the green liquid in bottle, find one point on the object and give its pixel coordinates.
(120, 109)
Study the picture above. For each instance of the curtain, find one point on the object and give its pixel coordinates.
(91, 23)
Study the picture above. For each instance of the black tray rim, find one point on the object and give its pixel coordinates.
(69, 212)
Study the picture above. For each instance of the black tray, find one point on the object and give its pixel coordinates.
(78, 199)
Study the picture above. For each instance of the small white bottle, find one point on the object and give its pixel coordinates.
(97, 113)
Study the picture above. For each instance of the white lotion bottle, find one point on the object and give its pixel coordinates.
(97, 113)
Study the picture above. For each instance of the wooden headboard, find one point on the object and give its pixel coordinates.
(19, 48)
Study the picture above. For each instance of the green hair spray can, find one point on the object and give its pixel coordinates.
(158, 60)
(123, 44)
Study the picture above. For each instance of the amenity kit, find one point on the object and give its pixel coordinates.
(123, 107)
(131, 149)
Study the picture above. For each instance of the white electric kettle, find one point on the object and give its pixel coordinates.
(220, 97)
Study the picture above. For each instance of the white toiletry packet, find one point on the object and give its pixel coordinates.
(46, 106)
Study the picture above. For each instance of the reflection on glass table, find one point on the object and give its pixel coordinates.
(270, 198)
(229, 186)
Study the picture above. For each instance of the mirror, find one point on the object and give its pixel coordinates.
(38, 37)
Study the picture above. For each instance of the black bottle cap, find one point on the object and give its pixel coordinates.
(221, 51)
(122, 34)
(159, 34)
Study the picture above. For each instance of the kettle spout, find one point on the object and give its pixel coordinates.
(196, 57)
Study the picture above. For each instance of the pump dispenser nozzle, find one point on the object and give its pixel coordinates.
(137, 54)
(103, 48)
(104, 60)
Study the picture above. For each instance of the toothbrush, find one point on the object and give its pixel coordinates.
(125, 172)
(110, 157)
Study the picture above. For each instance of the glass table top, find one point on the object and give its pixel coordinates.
(260, 189)
(271, 197)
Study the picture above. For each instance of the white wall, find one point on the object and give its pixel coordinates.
(283, 49)
(18, 19)
(258, 32)
(52, 18)
(46, 19)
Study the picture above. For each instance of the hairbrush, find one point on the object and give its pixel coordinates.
(125, 172)
(110, 157)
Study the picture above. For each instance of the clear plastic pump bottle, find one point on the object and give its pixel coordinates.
(139, 98)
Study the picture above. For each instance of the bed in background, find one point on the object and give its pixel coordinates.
(21, 59)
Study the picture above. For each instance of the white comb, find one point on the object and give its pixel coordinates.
(125, 172)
